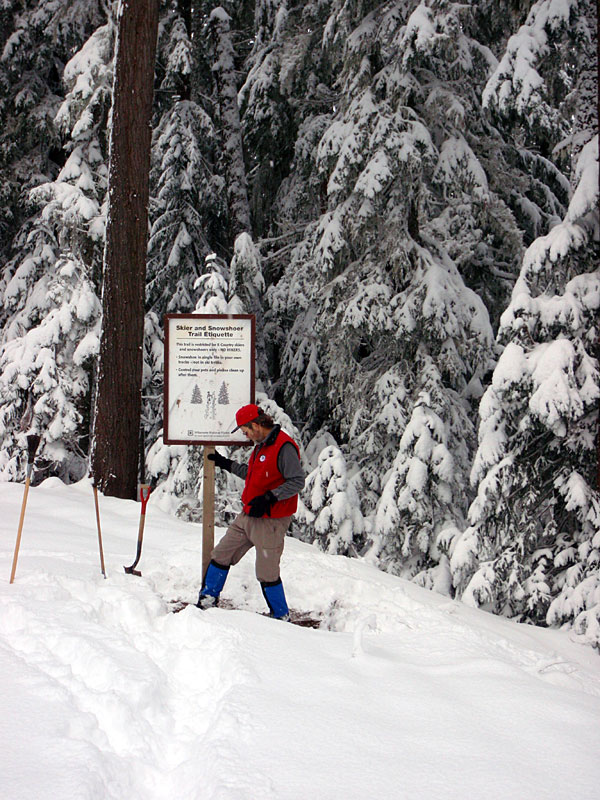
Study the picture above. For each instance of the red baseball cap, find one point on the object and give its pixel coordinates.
(245, 415)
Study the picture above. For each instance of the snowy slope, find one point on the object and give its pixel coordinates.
(105, 695)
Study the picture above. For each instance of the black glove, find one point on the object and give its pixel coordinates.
(261, 505)
(220, 461)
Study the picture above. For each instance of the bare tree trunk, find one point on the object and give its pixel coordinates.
(114, 457)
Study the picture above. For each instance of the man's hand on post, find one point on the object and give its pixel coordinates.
(220, 461)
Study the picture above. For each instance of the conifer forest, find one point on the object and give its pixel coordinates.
(405, 195)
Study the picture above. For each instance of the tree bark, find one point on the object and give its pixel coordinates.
(114, 460)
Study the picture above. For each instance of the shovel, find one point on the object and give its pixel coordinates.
(145, 490)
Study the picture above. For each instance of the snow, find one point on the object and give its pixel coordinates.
(554, 399)
(421, 27)
(516, 79)
(554, 246)
(87, 347)
(219, 14)
(585, 196)
(404, 693)
(457, 157)
(375, 176)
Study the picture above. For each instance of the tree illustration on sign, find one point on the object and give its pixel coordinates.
(196, 395)
(224, 394)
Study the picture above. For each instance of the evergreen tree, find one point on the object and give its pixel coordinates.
(420, 499)
(532, 546)
(213, 289)
(266, 97)
(36, 40)
(377, 304)
(223, 395)
(196, 395)
(246, 279)
(152, 381)
(50, 298)
(185, 203)
(223, 69)
(334, 505)
(534, 531)
(248, 286)
(187, 207)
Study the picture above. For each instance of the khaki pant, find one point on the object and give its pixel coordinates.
(265, 534)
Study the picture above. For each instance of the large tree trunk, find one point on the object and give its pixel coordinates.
(118, 400)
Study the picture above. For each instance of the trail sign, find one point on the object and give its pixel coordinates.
(209, 374)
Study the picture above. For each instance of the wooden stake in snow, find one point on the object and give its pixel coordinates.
(33, 443)
(99, 530)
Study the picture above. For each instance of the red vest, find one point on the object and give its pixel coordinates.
(264, 476)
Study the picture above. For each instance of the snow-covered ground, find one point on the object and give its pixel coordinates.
(406, 694)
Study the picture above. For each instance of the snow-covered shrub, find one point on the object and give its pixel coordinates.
(334, 505)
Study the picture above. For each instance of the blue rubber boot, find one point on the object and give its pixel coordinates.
(214, 580)
(275, 597)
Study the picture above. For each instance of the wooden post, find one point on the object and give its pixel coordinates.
(208, 508)
(100, 548)
(20, 530)
(33, 442)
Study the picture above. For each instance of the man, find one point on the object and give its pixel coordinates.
(273, 477)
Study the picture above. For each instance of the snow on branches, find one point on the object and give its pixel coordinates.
(535, 520)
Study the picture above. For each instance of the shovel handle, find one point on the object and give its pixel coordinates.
(145, 490)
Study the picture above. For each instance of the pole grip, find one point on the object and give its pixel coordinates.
(33, 442)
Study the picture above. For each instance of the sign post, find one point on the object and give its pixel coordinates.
(208, 508)
(209, 374)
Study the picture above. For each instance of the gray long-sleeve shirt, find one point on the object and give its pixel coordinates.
(288, 464)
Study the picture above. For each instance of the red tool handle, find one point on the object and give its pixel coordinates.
(144, 489)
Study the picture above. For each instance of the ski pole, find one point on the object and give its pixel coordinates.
(98, 526)
(145, 490)
(33, 443)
